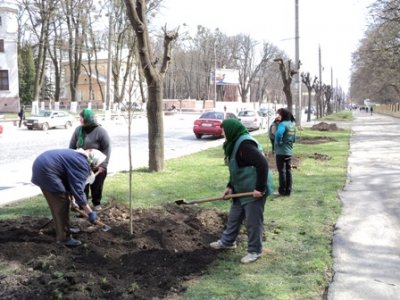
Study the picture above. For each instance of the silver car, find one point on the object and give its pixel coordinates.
(49, 119)
(251, 119)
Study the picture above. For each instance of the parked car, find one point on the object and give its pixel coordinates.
(49, 119)
(210, 122)
(251, 119)
(265, 112)
(312, 110)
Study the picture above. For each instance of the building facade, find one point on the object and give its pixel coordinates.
(9, 85)
(89, 86)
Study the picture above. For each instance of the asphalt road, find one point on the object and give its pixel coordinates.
(19, 147)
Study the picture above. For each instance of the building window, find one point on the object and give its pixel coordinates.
(4, 80)
(1, 45)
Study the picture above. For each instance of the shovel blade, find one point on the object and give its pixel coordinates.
(180, 202)
(105, 228)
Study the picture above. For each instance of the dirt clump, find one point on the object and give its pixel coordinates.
(319, 156)
(310, 140)
(323, 126)
(168, 247)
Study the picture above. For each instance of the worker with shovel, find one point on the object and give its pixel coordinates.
(60, 173)
(249, 171)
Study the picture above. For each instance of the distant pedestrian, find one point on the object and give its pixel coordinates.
(272, 131)
(21, 115)
(372, 109)
(285, 137)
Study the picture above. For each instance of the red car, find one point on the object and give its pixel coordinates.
(209, 123)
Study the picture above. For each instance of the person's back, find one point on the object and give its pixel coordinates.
(272, 132)
(285, 136)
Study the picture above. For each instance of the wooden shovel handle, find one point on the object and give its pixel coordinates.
(231, 196)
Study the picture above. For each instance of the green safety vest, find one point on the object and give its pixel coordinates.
(244, 179)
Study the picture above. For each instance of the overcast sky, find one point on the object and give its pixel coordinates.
(336, 25)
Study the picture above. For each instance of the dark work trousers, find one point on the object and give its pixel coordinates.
(96, 189)
(253, 214)
(273, 145)
(59, 206)
(284, 166)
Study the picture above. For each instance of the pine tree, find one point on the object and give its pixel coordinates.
(26, 73)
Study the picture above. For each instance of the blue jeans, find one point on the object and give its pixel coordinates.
(253, 214)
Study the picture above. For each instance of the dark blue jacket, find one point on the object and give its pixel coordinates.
(61, 171)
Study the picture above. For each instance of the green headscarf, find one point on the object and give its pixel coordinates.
(88, 116)
(88, 122)
(233, 130)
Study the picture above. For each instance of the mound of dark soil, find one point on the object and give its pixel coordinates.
(169, 246)
(319, 156)
(314, 139)
(325, 127)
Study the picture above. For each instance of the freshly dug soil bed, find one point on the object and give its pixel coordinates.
(314, 140)
(169, 246)
(325, 127)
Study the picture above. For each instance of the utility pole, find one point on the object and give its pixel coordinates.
(215, 75)
(319, 102)
(297, 65)
(109, 64)
(333, 91)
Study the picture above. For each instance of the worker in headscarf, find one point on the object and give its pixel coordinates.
(91, 135)
(285, 137)
(248, 172)
(61, 173)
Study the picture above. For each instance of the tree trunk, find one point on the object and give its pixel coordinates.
(136, 11)
(156, 126)
(287, 75)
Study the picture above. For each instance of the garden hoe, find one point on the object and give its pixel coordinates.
(231, 196)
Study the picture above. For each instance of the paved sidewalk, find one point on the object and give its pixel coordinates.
(366, 243)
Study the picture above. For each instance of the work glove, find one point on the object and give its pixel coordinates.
(92, 216)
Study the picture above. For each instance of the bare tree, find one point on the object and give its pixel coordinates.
(124, 50)
(287, 74)
(245, 58)
(318, 88)
(76, 17)
(306, 79)
(40, 13)
(136, 11)
(55, 51)
(376, 62)
(328, 92)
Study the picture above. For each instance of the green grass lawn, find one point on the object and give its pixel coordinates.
(297, 263)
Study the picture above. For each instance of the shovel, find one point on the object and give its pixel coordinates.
(104, 227)
(231, 196)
